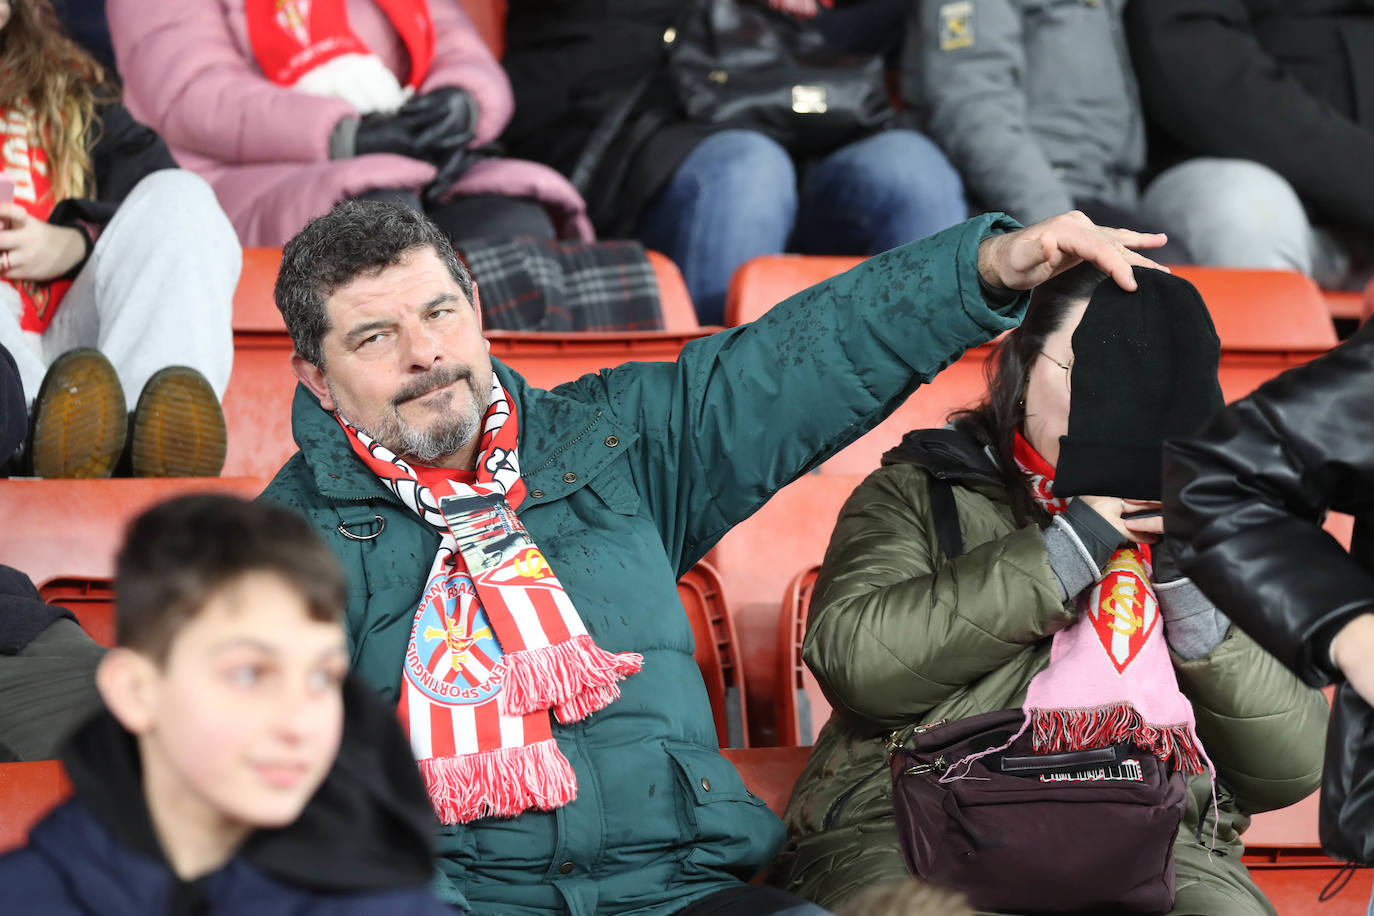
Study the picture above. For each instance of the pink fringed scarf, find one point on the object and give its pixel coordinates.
(496, 643)
(1110, 679)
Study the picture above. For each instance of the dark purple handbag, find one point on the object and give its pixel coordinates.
(1026, 832)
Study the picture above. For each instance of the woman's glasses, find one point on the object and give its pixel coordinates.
(1068, 370)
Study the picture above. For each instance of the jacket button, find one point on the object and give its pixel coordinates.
(570, 477)
(705, 784)
(612, 441)
(537, 494)
(566, 868)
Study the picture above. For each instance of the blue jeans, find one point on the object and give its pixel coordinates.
(735, 197)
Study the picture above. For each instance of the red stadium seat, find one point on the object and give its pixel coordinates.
(64, 528)
(762, 283)
(802, 707)
(717, 653)
(769, 772)
(91, 600)
(757, 560)
(28, 791)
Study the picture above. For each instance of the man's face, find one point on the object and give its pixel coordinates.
(405, 362)
(242, 722)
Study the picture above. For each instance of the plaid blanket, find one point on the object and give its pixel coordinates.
(565, 286)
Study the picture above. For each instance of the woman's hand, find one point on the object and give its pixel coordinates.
(1353, 652)
(1137, 531)
(34, 249)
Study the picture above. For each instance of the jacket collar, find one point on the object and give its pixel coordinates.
(949, 454)
(564, 441)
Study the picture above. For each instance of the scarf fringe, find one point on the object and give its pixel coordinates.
(1055, 730)
(499, 783)
(575, 676)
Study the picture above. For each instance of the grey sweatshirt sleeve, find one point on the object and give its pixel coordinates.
(963, 71)
(1192, 623)
(1079, 543)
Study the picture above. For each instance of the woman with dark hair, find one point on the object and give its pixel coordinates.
(910, 625)
(117, 270)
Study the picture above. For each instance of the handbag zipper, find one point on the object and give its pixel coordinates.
(938, 765)
(894, 740)
(901, 736)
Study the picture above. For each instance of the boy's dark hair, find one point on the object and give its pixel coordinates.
(357, 237)
(177, 554)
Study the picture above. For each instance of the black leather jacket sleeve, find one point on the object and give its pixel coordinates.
(1247, 496)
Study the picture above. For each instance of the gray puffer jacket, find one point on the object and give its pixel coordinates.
(1034, 101)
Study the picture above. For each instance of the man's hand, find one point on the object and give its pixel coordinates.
(1353, 652)
(37, 250)
(1025, 259)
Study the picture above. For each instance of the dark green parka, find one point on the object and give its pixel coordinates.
(898, 635)
(633, 474)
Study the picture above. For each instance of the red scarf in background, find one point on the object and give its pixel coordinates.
(26, 162)
(496, 643)
(292, 37)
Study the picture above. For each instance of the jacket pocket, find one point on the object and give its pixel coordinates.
(733, 828)
(614, 487)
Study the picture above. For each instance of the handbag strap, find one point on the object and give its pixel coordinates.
(945, 512)
(613, 121)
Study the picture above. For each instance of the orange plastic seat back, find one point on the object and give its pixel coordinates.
(756, 560)
(678, 312)
(762, 283)
(28, 791)
(91, 600)
(802, 706)
(1275, 310)
(717, 654)
(61, 528)
(769, 772)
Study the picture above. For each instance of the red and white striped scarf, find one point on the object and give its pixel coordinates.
(496, 643)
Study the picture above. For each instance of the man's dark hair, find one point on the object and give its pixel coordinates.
(179, 553)
(356, 238)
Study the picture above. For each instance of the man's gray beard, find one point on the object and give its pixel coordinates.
(426, 446)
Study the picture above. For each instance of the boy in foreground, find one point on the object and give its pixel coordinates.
(236, 768)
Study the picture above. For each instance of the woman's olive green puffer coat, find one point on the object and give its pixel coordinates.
(899, 634)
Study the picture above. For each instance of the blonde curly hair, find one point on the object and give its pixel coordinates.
(43, 70)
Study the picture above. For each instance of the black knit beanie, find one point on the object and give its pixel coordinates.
(1144, 370)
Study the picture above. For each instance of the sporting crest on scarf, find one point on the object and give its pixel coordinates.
(496, 644)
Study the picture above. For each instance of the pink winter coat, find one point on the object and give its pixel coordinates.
(189, 73)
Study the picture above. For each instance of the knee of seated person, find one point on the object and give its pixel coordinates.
(744, 164)
(907, 158)
(1233, 213)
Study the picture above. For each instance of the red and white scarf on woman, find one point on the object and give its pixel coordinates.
(1110, 679)
(26, 162)
(292, 37)
(496, 643)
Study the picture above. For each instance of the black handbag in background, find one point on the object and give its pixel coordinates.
(743, 63)
(1346, 821)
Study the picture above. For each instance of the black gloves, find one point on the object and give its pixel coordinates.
(430, 127)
